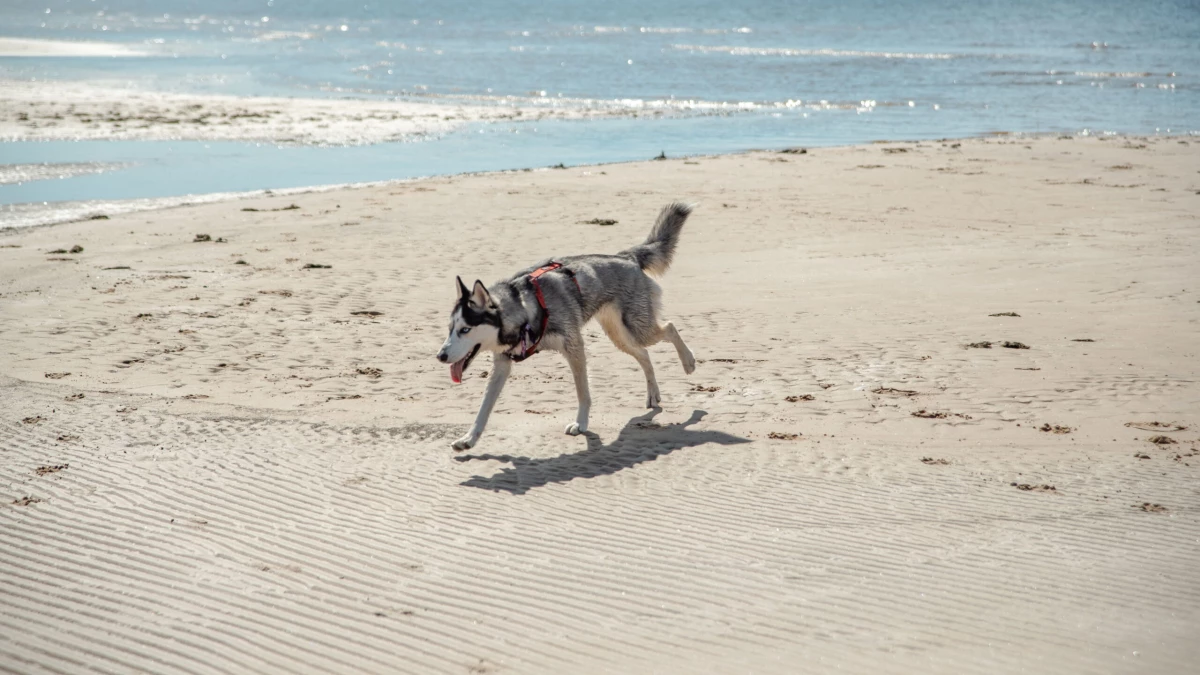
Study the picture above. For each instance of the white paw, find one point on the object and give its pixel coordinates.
(464, 443)
(575, 428)
(689, 363)
(653, 400)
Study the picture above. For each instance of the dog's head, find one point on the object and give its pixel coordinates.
(474, 325)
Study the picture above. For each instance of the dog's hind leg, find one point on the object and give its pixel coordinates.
(667, 330)
(577, 359)
(501, 366)
(653, 397)
(614, 326)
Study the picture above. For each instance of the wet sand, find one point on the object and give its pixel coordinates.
(233, 454)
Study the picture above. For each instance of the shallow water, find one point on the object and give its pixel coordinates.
(897, 70)
(152, 170)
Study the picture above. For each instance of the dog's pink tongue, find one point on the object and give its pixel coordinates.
(456, 371)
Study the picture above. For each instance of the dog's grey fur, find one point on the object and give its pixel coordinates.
(613, 289)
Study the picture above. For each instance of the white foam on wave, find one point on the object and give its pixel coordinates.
(617, 107)
(664, 30)
(30, 47)
(667, 30)
(273, 35)
(1090, 73)
(787, 51)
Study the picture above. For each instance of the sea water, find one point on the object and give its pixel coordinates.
(738, 75)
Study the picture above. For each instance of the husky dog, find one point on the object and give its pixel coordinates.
(545, 307)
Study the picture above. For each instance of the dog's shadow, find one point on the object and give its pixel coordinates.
(641, 440)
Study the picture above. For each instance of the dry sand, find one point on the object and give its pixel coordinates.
(210, 466)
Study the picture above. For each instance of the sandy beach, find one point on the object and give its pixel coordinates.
(945, 420)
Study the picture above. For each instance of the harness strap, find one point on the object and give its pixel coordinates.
(526, 331)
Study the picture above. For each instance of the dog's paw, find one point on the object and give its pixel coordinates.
(574, 429)
(464, 443)
(689, 363)
(653, 400)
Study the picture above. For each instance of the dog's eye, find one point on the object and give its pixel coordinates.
(464, 330)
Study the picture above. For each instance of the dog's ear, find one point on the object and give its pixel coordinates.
(462, 289)
(480, 296)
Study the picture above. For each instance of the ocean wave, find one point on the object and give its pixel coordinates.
(37, 47)
(1093, 74)
(1098, 73)
(272, 35)
(785, 51)
(669, 30)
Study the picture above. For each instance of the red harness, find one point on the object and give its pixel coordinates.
(526, 338)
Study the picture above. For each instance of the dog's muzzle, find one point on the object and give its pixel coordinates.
(457, 368)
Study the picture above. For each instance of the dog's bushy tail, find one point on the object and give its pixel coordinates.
(654, 255)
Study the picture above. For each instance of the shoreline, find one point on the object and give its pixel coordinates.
(93, 209)
(211, 407)
(32, 112)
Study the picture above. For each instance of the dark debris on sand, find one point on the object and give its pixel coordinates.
(1156, 426)
(289, 207)
(938, 414)
(1026, 487)
(892, 391)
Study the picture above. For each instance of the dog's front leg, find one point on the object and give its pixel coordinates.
(577, 358)
(501, 366)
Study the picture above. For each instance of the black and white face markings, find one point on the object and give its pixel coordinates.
(474, 325)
